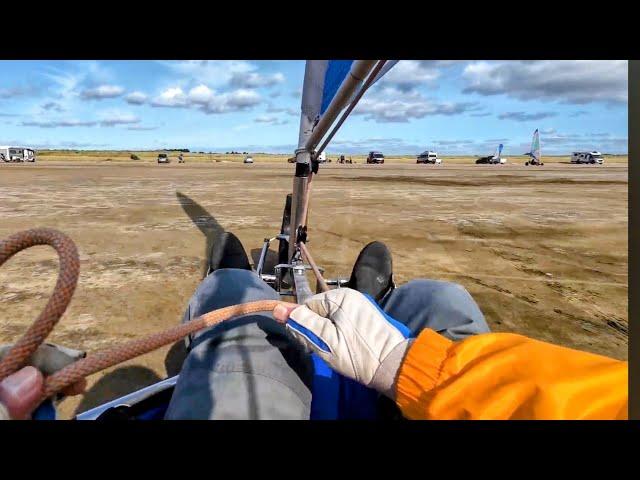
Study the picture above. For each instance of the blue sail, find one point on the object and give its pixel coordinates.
(337, 71)
(322, 81)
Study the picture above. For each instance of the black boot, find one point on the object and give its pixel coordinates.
(228, 252)
(373, 271)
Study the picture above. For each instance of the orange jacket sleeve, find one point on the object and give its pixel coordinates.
(506, 376)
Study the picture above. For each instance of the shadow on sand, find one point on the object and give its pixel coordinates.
(205, 222)
(118, 383)
(175, 358)
(270, 262)
(128, 379)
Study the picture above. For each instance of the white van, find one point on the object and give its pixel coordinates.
(428, 157)
(587, 157)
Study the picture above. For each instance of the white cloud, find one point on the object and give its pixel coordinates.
(289, 111)
(109, 118)
(241, 99)
(171, 97)
(408, 74)
(47, 144)
(59, 123)
(207, 100)
(558, 142)
(271, 120)
(211, 72)
(255, 80)
(141, 128)
(102, 91)
(112, 118)
(525, 117)
(567, 81)
(391, 105)
(136, 98)
(200, 95)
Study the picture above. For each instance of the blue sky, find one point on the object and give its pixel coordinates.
(453, 107)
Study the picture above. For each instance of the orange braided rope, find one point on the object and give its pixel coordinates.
(19, 355)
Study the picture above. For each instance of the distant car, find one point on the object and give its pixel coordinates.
(180, 159)
(587, 157)
(163, 158)
(428, 157)
(490, 160)
(248, 159)
(375, 157)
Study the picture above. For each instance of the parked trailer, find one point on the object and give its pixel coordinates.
(17, 154)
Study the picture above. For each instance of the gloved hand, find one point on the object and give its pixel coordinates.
(351, 333)
(19, 391)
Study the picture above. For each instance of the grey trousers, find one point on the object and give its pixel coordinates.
(248, 368)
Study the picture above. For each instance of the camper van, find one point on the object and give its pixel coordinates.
(587, 157)
(17, 154)
(428, 157)
(29, 155)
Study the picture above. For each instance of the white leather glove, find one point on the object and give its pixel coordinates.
(352, 334)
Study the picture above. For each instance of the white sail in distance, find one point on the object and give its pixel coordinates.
(535, 145)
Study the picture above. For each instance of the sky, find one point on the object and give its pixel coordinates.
(452, 107)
